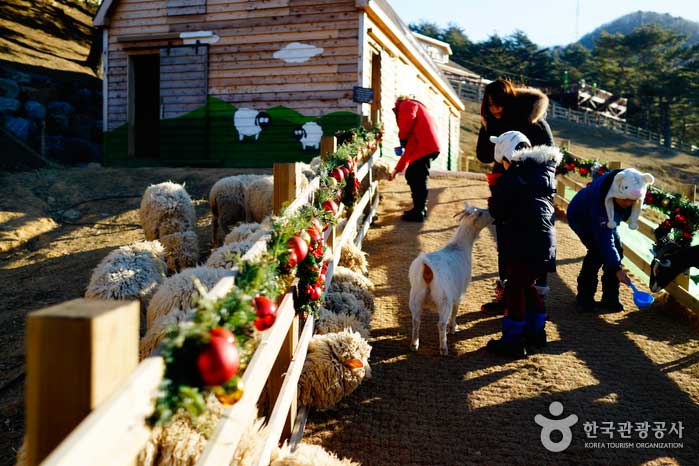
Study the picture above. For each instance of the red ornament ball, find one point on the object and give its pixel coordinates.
(583, 171)
(330, 206)
(293, 259)
(263, 323)
(224, 333)
(299, 247)
(218, 360)
(264, 306)
(338, 174)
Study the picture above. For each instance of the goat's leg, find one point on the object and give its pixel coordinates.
(417, 297)
(452, 322)
(444, 316)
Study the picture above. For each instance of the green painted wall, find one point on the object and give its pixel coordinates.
(207, 136)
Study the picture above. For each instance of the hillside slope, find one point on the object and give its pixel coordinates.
(627, 23)
(672, 168)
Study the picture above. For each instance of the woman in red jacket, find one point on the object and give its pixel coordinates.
(417, 132)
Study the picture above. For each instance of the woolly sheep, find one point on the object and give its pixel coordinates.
(157, 331)
(223, 257)
(330, 322)
(348, 303)
(181, 249)
(246, 232)
(129, 272)
(176, 292)
(239, 198)
(381, 169)
(335, 366)
(343, 274)
(166, 208)
(354, 258)
(308, 455)
(363, 295)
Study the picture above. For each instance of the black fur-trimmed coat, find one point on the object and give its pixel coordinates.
(527, 115)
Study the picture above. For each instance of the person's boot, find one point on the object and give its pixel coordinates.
(535, 330)
(511, 344)
(587, 285)
(414, 216)
(497, 306)
(610, 294)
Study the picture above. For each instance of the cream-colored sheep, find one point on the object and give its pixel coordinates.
(331, 322)
(335, 366)
(246, 232)
(239, 198)
(348, 303)
(177, 292)
(363, 295)
(343, 274)
(308, 455)
(129, 272)
(166, 208)
(158, 329)
(354, 258)
(381, 169)
(224, 257)
(181, 249)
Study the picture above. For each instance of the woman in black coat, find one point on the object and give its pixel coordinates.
(507, 108)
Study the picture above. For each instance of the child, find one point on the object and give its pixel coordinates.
(594, 214)
(418, 135)
(522, 202)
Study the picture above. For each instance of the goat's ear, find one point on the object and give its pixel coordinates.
(353, 364)
(648, 178)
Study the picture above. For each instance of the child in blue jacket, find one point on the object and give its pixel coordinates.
(594, 214)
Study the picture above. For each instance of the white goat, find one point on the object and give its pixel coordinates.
(442, 277)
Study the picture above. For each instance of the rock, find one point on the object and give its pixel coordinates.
(20, 77)
(35, 110)
(60, 115)
(55, 146)
(8, 105)
(9, 88)
(79, 150)
(41, 94)
(51, 199)
(19, 127)
(71, 214)
(94, 165)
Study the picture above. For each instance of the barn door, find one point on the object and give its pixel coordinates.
(143, 106)
(184, 89)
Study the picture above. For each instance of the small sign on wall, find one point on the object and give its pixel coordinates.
(363, 95)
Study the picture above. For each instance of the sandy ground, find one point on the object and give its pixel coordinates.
(46, 258)
(474, 408)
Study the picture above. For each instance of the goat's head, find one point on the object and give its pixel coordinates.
(474, 217)
(665, 266)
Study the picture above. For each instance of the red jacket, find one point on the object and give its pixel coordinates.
(417, 129)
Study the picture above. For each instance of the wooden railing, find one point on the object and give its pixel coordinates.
(115, 431)
(681, 289)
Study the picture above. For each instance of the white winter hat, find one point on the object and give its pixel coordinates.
(628, 184)
(506, 143)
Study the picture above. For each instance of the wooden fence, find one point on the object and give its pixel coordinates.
(473, 91)
(120, 395)
(681, 289)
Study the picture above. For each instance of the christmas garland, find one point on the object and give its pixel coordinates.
(208, 353)
(683, 216)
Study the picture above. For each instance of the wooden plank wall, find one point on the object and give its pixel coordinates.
(242, 69)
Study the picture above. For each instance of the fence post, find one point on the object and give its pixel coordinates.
(285, 184)
(328, 145)
(614, 165)
(78, 353)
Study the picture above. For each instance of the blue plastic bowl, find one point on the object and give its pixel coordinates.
(641, 299)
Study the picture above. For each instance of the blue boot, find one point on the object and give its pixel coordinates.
(511, 344)
(535, 330)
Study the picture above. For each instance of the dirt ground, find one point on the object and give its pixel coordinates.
(474, 408)
(47, 254)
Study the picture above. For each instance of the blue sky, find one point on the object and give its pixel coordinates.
(546, 23)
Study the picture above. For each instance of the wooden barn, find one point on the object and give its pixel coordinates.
(246, 83)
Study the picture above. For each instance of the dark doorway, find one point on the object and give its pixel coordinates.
(144, 106)
(376, 86)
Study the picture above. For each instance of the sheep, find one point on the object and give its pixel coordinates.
(224, 257)
(381, 169)
(363, 295)
(309, 135)
(352, 257)
(308, 455)
(167, 214)
(158, 329)
(669, 261)
(331, 322)
(250, 122)
(246, 232)
(166, 208)
(348, 303)
(179, 290)
(129, 272)
(335, 365)
(239, 198)
(343, 274)
(442, 277)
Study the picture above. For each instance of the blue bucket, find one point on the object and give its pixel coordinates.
(641, 299)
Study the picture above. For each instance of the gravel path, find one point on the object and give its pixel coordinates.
(474, 408)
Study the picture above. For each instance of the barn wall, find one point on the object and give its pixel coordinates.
(290, 63)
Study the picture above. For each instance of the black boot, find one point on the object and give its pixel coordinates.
(497, 306)
(587, 283)
(535, 330)
(414, 216)
(610, 293)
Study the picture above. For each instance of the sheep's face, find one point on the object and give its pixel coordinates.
(263, 120)
(299, 133)
(181, 250)
(664, 267)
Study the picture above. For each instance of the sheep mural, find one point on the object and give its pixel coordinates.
(309, 135)
(250, 122)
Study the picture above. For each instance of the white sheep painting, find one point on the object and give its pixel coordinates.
(250, 122)
(309, 135)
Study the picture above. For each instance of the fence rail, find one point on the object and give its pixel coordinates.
(115, 431)
(473, 91)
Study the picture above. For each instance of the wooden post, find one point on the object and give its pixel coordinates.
(78, 353)
(328, 145)
(689, 191)
(285, 184)
(614, 165)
